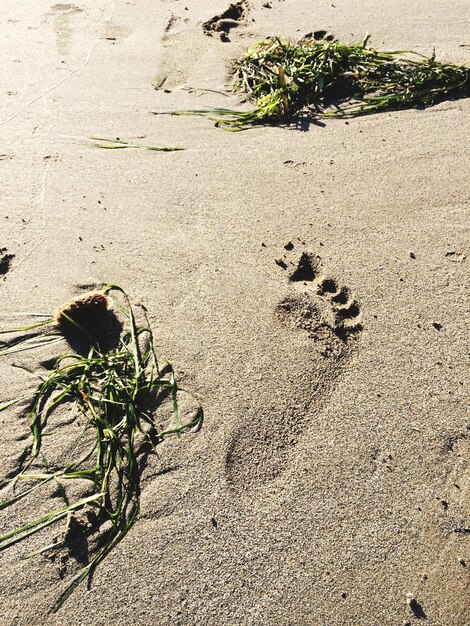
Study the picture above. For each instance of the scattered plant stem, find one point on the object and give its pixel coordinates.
(118, 394)
(117, 144)
(158, 82)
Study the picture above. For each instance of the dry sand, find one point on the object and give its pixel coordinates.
(330, 474)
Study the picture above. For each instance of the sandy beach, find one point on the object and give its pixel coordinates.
(329, 484)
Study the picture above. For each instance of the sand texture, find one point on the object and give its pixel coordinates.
(310, 285)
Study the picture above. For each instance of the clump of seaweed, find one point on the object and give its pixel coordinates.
(117, 394)
(330, 78)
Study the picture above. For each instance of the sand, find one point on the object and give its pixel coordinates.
(332, 471)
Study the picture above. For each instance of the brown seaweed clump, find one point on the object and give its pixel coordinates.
(87, 311)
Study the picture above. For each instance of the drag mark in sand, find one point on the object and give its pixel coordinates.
(42, 213)
(329, 318)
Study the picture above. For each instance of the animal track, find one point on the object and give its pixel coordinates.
(5, 261)
(322, 319)
(455, 257)
(319, 35)
(223, 23)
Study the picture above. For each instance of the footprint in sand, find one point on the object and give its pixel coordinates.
(222, 24)
(63, 16)
(318, 305)
(323, 320)
(191, 58)
(447, 579)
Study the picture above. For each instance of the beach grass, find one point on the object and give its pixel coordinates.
(332, 79)
(118, 394)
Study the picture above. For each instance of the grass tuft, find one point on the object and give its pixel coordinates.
(330, 78)
(120, 394)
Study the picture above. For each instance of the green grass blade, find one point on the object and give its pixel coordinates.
(31, 530)
(5, 405)
(112, 392)
(23, 329)
(115, 144)
(51, 546)
(29, 345)
(44, 520)
(7, 503)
